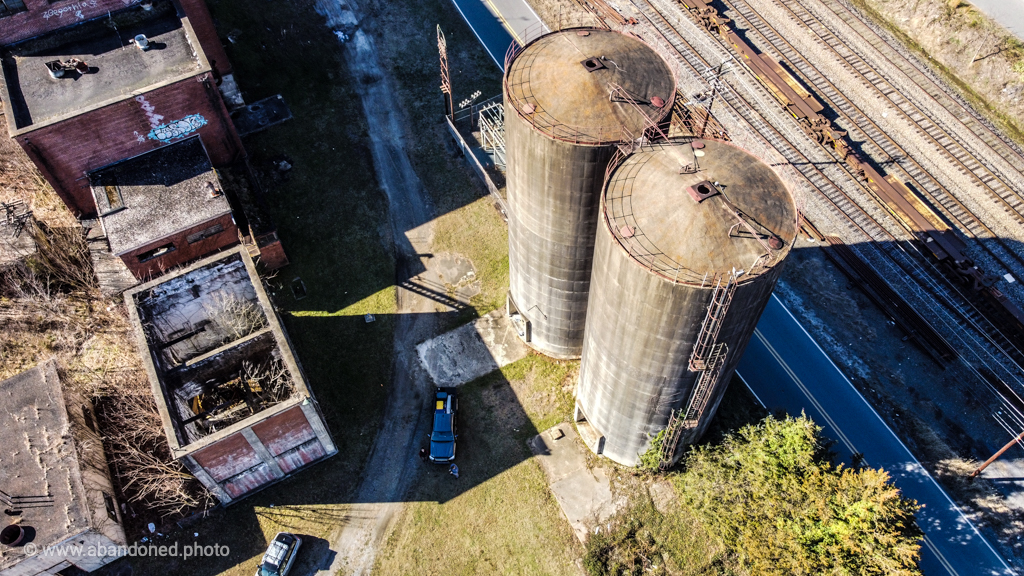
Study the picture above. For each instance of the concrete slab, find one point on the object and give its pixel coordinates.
(471, 351)
(585, 495)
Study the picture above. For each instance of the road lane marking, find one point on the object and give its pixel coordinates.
(942, 559)
(796, 380)
(964, 520)
(504, 23)
(835, 427)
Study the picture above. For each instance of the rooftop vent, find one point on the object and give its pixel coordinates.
(141, 41)
(593, 64)
(58, 68)
(212, 190)
(701, 191)
(12, 535)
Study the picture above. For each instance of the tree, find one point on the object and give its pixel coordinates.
(778, 505)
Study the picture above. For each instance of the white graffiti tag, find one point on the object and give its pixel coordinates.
(150, 110)
(75, 8)
(178, 128)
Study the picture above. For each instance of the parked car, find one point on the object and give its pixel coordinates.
(445, 429)
(280, 555)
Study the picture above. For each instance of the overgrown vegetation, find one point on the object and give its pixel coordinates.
(50, 307)
(986, 91)
(769, 501)
(650, 460)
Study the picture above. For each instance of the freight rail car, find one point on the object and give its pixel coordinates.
(941, 242)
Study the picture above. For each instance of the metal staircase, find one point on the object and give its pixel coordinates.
(704, 348)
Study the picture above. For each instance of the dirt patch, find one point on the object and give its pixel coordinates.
(969, 47)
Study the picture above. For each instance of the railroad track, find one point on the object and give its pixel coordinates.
(973, 165)
(889, 256)
(888, 152)
(920, 75)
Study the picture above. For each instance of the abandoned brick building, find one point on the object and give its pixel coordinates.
(88, 95)
(163, 208)
(233, 399)
(55, 484)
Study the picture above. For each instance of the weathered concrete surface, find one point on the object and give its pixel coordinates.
(471, 351)
(585, 495)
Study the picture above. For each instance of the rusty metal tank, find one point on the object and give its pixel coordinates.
(570, 98)
(690, 244)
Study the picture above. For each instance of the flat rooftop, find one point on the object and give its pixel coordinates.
(217, 355)
(157, 194)
(117, 68)
(39, 464)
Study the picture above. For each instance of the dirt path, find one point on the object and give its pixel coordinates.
(393, 459)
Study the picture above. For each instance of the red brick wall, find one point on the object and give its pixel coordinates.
(202, 23)
(41, 16)
(284, 431)
(183, 252)
(66, 151)
(272, 254)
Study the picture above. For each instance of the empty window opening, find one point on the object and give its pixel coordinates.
(204, 234)
(87, 416)
(156, 252)
(108, 502)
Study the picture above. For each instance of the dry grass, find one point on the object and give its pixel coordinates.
(977, 56)
(979, 499)
(50, 308)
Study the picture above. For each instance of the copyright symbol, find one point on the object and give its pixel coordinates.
(31, 549)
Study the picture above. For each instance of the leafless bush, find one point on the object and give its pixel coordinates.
(49, 308)
(236, 317)
(272, 378)
(62, 261)
(141, 458)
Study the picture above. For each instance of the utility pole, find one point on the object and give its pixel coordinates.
(1009, 444)
(714, 92)
(446, 82)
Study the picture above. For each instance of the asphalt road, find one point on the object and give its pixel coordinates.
(785, 368)
(498, 23)
(1008, 13)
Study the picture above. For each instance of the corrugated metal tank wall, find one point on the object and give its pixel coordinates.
(643, 323)
(561, 129)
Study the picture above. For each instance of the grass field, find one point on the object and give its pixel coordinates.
(499, 517)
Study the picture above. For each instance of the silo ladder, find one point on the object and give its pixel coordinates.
(673, 432)
(721, 297)
(705, 385)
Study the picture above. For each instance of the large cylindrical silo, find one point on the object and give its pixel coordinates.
(570, 98)
(689, 248)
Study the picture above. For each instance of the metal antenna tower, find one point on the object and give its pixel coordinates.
(446, 82)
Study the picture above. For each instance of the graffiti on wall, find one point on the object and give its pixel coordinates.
(178, 129)
(74, 8)
(171, 130)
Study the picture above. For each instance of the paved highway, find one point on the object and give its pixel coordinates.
(785, 368)
(497, 23)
